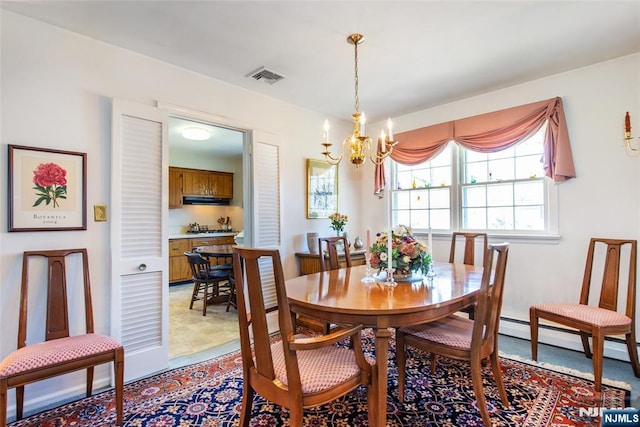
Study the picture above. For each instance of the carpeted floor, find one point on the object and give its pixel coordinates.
(208, 394)
(191, 332)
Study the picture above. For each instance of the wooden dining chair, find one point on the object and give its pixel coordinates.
(461, 338)
(333, 246)
(59, 352)
(603, 319)
(206, 281)
(330, 248)
(295, 371)
(468, 252)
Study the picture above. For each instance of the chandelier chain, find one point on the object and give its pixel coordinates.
(357, 106)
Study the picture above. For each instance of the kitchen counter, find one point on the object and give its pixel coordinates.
(201, 235)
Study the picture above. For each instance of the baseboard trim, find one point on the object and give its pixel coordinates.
(614, 348)
(565, 370)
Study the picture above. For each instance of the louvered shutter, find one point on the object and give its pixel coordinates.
(139, 270)
(267, 207)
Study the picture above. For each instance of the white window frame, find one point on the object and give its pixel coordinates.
(549, 235)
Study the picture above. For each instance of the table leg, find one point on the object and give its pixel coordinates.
(380, 376)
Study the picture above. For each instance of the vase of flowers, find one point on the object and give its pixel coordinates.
(338, 222)
(409, 256)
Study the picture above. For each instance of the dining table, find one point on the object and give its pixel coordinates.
(340, 297)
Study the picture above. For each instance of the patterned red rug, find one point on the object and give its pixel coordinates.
(208, 394)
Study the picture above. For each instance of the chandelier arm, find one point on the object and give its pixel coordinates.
(380, 158)
(332, 160)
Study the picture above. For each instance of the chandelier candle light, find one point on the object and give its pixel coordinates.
(358, 144)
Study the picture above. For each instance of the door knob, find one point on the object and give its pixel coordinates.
(142, 267)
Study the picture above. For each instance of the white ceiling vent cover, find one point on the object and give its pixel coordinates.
(267, 76)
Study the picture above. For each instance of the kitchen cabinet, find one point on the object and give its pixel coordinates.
(179, 270)
(223, 184)
(196, 182)
(175, 188)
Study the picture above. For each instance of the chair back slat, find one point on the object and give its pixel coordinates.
(611, 265)
(200, 266)
(57, 307)
(253, 319)
(332, 261)
(489, 306)
(469, 255)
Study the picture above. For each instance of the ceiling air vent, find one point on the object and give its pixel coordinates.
(262, 74)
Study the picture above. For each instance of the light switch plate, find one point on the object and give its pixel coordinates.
(99, 212)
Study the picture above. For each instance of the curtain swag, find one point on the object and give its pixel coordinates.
(488, 133)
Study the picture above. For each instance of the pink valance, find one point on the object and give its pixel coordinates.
(490, 132)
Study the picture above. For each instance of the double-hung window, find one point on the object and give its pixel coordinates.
(503, 192)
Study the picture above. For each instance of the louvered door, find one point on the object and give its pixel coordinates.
(267, 208)
(139, 254)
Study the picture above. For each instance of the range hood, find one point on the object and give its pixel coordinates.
(205, 200)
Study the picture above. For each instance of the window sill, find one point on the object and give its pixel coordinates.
(550, 239)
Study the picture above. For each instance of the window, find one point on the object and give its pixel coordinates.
(504, 192)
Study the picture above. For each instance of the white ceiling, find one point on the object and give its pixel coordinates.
(222, 141)
(416, 54)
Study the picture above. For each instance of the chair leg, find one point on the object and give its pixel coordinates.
(476, 378)
(194, 294)
(295, 415)
(89, 381)
(585, 344)
(19, 401)
(434, 362)
(401, 360)
(247, 403)
(633, 353)
(533, 326)
(205, 299)
(3, 402)
(598, 353)
(497, 375)
(118, 368)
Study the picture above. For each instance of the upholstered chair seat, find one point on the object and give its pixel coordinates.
(586, 313)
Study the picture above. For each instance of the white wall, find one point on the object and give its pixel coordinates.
(56, 93)
(602, 201)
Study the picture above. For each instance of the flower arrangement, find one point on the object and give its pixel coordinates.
(338, 222)
(50, 181)
(408, 255)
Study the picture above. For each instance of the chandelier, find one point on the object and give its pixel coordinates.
(358, 145)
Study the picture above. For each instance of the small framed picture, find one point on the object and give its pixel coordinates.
(47, 189)
(322, 188)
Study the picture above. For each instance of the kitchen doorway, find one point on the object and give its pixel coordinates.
(218, 148)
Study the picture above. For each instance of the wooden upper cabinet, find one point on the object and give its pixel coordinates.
(223, 184)
(196, 182)
(175, 188)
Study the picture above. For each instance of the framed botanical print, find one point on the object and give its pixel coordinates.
(47, 189)
(322, 188)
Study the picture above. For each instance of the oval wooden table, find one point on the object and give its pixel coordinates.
(339, 296)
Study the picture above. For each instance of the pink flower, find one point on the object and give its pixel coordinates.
(50, 184)
(47, 174)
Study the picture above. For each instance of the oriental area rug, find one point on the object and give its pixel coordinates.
(208, 394)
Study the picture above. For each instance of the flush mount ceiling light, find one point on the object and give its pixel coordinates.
(195, 133)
